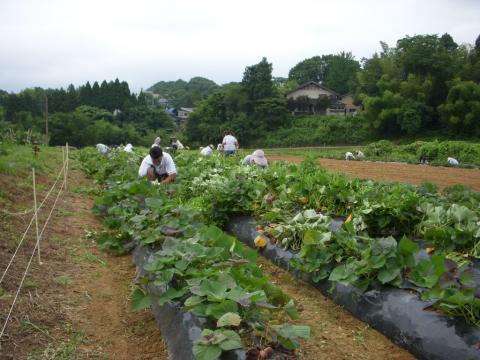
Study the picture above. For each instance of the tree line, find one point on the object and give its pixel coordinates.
(427, 85)
(107, 113)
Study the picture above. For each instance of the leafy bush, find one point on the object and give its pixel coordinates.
(379, 148)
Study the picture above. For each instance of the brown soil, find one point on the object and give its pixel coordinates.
(407, 173)
(76, 304)
(335, 333)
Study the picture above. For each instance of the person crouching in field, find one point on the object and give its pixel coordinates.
(258, 158)
(229, 144)
(158, 165)
(349, 156)
(452, 161)
(207, 150)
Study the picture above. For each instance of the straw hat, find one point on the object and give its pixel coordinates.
(259, 158)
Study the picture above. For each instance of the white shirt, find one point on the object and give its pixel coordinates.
(167, 166)
(206, 151)
(247, 160)
(229, 143)
(452, 161)
(349, 155)
(102, 149)
(128, 148)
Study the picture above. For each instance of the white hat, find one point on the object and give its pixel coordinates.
(259, 158)
(157, 140)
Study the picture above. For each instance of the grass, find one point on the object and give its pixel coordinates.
(92, 259)
(29, 284)
(62, 280)
(65, 350)
(19, 160)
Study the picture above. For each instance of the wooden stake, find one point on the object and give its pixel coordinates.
(36, 215)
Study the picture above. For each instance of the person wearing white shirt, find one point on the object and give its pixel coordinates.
(207, 150)
(452, 161)
(229, 144)
(349, 156)
(128, 148)
(158, 165)
(360, 155)
(102, 148)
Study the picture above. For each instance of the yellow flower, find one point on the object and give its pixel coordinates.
(260, 242)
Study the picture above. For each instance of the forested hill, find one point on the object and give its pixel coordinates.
(185, 94)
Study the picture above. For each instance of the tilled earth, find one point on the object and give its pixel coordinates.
(400, 172)
(76, 304)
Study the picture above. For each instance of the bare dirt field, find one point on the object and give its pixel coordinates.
(76, 305)
(406, 173)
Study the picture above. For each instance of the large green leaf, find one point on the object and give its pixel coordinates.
(154, 203)
(229, 319)
(219, 309)
(206, 352)
(140, 300)
(386, 275)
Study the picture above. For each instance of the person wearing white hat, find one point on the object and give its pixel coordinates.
(128, 148)
(257, 157)
(452, 161)
(102, 148)
(207, 150)
(156, 142)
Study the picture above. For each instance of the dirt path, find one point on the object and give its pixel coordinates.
(335, 333)
(407, 173)
(76, 304)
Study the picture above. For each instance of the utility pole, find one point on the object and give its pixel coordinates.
(46, 119)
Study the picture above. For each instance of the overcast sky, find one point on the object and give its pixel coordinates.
(55, 43)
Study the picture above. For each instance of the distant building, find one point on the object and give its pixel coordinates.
(350, 107)
(314, 98)
(183, 113)
(155, 99)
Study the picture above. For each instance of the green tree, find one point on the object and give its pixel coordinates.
(257, 81)
(461, 112)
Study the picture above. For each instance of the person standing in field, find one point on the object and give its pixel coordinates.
(229, 143)
(158, 165)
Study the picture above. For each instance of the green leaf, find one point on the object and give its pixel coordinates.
(206, 352)
(153, 203)
(233, 340)
(240, 296)
(291, 310)
(339, 273)
(407, 246)
(140, 300)
(193, 300)
(387, 275)
(229, 319)
(171, 294)
(217, 310)
(377, 262)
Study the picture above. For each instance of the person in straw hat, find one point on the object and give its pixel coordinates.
(257, 157)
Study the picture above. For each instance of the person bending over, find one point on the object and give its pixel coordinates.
(158, 165)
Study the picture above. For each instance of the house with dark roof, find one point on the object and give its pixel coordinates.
(315, 98)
